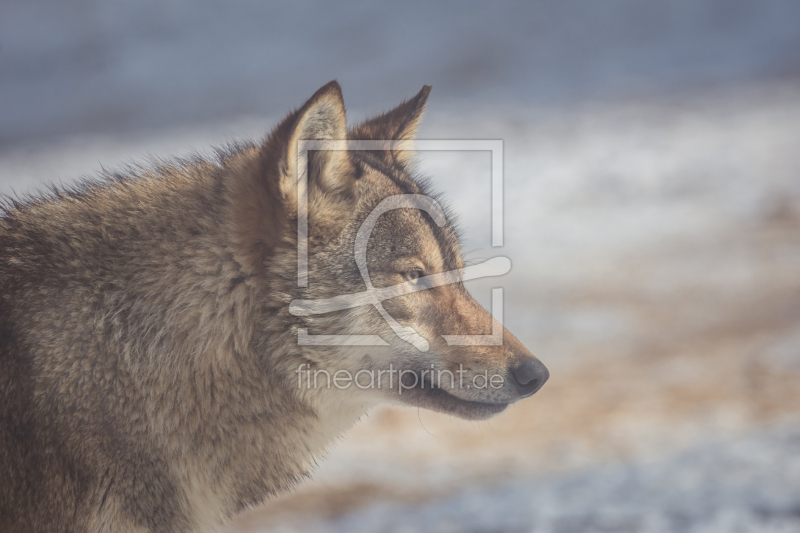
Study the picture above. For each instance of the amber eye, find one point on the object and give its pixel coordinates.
(412, 275)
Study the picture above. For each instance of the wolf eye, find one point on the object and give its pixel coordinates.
(412, 275)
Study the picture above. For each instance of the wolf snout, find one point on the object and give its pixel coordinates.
(529, 376)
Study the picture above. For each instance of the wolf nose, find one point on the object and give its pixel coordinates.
(529, 376)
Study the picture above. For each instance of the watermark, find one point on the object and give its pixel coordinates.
(496, 266)
(391, 378)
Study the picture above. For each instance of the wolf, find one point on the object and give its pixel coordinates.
(151, 377)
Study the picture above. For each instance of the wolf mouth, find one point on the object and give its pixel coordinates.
(429, 396)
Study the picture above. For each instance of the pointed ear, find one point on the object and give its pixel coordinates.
(322, 118)
(398, 125)
(264, 180)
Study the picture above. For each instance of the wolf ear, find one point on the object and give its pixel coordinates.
(398, 127)
(322, 118)
(264, 187)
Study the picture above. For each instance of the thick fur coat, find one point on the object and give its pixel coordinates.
(148, 359)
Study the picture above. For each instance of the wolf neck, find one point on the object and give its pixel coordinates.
(259, 459)
(229, 417)
(247, 434)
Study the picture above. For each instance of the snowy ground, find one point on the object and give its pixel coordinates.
(745, 485)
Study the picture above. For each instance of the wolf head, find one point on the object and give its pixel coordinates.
(333, 193)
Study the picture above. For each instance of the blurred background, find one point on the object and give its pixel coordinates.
(652, 197)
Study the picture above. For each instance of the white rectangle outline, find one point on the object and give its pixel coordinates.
(495, 146)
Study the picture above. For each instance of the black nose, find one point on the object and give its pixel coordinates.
(529, 376)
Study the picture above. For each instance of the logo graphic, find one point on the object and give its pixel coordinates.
(496, 266)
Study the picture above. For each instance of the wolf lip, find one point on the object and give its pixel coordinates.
(437, 399)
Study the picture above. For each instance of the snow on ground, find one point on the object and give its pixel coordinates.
(745, 485)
